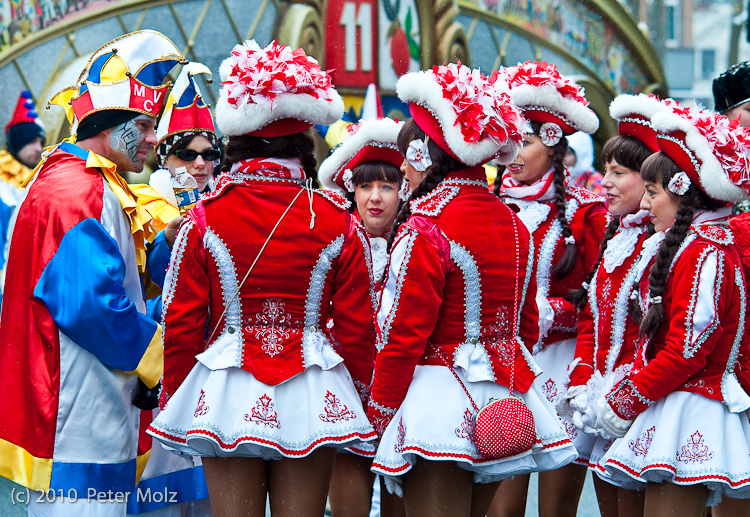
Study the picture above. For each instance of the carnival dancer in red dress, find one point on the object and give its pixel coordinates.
(365, 167)
(567, 225)
(457, 316)
(261, 391)
(682, 411)
(607, 335)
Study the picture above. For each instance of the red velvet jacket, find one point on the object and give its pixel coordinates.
(451, 282)
(699, 346)
(587, 217)
(607, 334)
(276, 327)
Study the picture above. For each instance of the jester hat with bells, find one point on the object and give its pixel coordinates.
(121, 80)
(185, 112)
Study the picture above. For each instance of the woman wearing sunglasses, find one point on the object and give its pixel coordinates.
(186, 138)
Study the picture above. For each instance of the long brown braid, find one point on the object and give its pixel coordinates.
(659, 168)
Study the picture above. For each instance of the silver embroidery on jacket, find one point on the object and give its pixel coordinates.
(313, 335)
(229, 286)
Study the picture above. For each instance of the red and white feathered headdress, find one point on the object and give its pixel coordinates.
(633, 114)
(369, 141)
(550, 98)
(461, 111)
(274, 91)
(711, 149)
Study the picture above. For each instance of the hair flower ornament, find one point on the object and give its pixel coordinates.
(679, 184)
(418, 155)
(347, 177)
(404, 193)
(550, 133)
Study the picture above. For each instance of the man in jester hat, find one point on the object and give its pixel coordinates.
(75, 344)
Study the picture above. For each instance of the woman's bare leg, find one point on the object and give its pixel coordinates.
(510, 498)
(391, 505)
(299, 487)
(236, 486)
(606, 494)
(630, 502)
(437, 488)
(729, 507)
(562, 490)
(350, 493)
(481, 498)
(668, 499)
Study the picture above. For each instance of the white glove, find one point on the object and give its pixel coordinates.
(608, 421)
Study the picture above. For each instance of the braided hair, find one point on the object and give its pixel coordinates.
(442, 164)
(568, 261)
(299, 145)
(628, 152)
(660, 169)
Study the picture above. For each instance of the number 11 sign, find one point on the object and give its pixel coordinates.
(351, 42)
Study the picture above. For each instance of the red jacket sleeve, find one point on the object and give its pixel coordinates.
(352, 309)
(584, 348)
(593, 226)
(408, 321)
(185, 307)
(697, 293)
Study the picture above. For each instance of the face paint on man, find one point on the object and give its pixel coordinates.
(132, 140)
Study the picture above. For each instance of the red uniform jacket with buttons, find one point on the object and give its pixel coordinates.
(452, 280)
(277, 322)
(699, 346)
(587, 217)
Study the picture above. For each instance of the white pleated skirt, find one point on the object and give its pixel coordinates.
(435, 422)
(554, 360)
(685, 439)
(228, 412)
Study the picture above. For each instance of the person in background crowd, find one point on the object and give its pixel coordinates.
(365, 167)
(24, 139)
(580, 163)
(255, 383)
(186, 138)
(457, 315)
(606, 342)
(81, 346)
(731, 92)
(681, 413)
(567, 225)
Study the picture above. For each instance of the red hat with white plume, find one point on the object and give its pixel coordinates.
(633, 114)
(546, 96)
(368, 141)
(711, 150)
(461, 111)
(274, 91)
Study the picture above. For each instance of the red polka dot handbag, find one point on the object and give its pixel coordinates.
(503, 427)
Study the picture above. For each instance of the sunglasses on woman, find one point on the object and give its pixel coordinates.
(188, 155)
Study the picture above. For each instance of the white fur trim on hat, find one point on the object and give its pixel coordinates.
(714, 180)
(255, 111)
(380, 133)
(547, 97)
(422, 88)
(641, 104)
